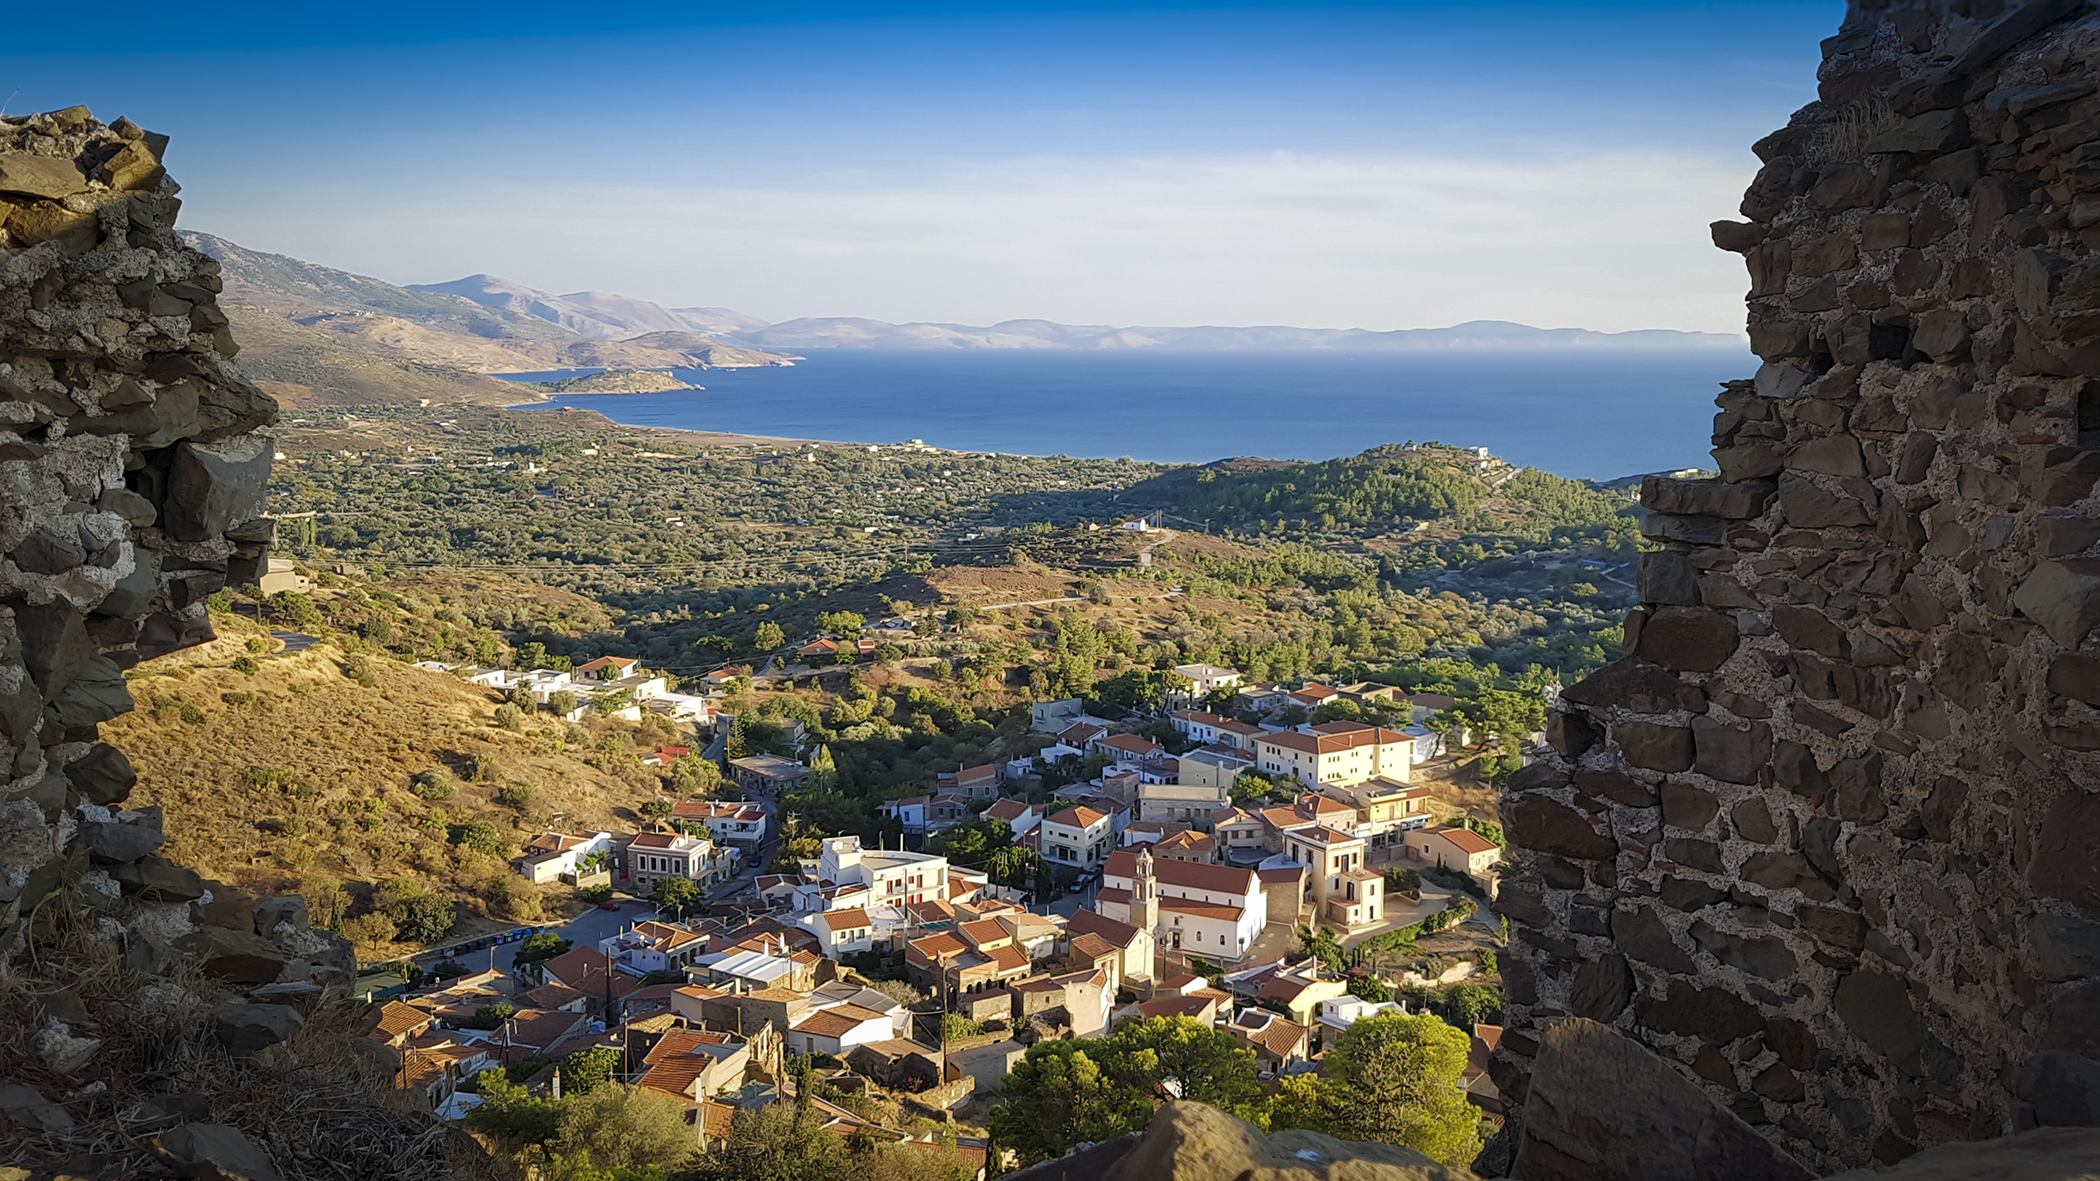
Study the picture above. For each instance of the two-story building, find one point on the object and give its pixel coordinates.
(1206, 679)
(1019, 815)
(842, 932)
(1336, 752)
(1215, 911)
(1078, 836)
(651, 857)
(1343, 891)
(893, 877)
(742, 825)
(1386, 809)
(1461, 849)
(552, 854)
(1199, 725)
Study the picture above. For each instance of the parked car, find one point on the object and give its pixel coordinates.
(1080, 884)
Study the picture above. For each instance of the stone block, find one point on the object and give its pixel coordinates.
(1687, 807)
(1753, 821)
(2063, 596)
(1668, 578)
(1748, 461)
(1693, 854)
(1689, 530)
(238, 957)
(1728, 754)
(1655, 747)
(1932, 133)
(1755, 955)
(1616, 786)
(211, 488)
(1640, 934)
(2065, 947)
(1602, 989)
(1636, 685)
(1943, 335)
(1602, 1106)
(1548, 826)
(1807, 505)
(112, 841)
(1706, 498)
(1834, 455)
(281, 909)
(1688, 639)
(1876, 1007)
(102, 776)
(50, 177)
(1571, 734)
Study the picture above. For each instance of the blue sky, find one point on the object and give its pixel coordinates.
(1375, 166)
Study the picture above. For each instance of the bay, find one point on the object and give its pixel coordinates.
(1588, 414)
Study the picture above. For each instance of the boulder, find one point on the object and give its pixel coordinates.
(1189, 1141)
(1603, 1108)
(26, 1108)
(246, 1029)
(113, 841)
(213, 1152)
(283, 908)
(238, 957)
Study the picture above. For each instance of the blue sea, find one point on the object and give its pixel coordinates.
(1598, 415)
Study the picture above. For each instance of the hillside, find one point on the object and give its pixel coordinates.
(597, 315)
(299, 776)
(316, 336)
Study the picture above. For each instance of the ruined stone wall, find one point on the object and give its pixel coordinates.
(1828, 839)
(131, 485)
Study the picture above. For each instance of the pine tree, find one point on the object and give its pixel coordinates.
(734, 746)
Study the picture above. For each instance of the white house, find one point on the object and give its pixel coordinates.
(893, 877)
(1078, 836)
(838, 1029)
(842, 932)
(1201, 727)
(1019, 815)
(553, 854)
(1336, 752)
(1208, 678)
(1216, 911)
(731, 824)
(1337, 1014)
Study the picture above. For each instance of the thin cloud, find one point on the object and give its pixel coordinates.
(1612, 240)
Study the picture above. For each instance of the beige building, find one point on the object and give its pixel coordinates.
(1337, 752)
(1461, 849)
(1078, 836)
(1335, 873)
(1385, 808)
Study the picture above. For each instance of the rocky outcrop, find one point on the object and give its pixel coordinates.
(1824, 839)
(132, 471)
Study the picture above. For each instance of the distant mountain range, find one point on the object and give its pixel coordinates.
(315, 334)
(850, 333)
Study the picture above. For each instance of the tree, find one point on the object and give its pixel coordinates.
(491, 1016)
(1403, 1075)
(777, 1143)
(586, 1070)
(1465, 1005)
(562, 702)
(768, 637)
(1371, 988)
(823, 772)
(736, 745)
(677, 896)
(694, 775)
(515, 1118)
(537, 949)
(1058, 1096)
(845, 623)
(621, 1125)
(1208, 1063)
(656, 808)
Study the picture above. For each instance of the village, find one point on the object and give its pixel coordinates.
(912, 984)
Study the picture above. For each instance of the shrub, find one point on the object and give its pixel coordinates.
(435, 784)
(368, 929)
(655, 808)
(479, 836)
(258, 645)
(480, 768)
(176, 707)
(292, 607)
(245, 665)
(358, 668)
(510, 717)
(593, 895)
(237, 698)
(515, 796)
(562, 702)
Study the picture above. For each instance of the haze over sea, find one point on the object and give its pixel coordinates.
(1590, 414)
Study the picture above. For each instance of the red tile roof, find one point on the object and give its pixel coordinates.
(1468, 841)
(1190, 875)
(1078, 816)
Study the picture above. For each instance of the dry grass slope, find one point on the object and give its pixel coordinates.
(297, 776)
